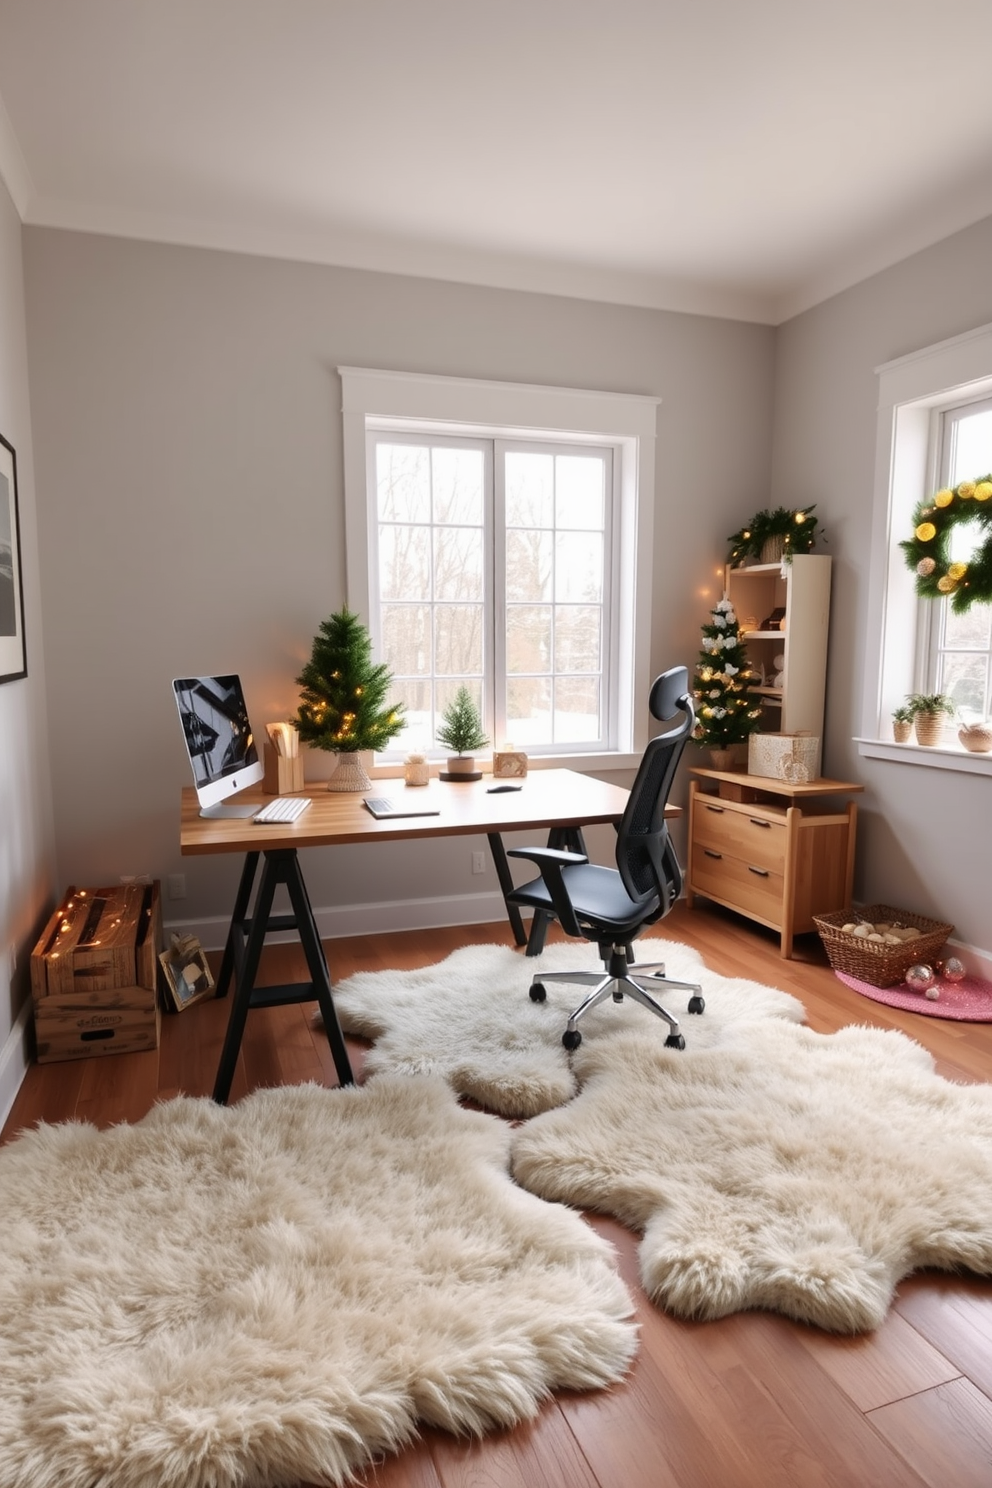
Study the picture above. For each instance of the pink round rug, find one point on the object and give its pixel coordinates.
(969, 1000)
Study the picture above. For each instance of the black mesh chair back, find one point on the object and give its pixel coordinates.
(646, 858)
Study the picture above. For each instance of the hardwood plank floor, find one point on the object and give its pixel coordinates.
(751, 1401)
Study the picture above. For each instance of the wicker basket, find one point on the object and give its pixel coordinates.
(878, 964)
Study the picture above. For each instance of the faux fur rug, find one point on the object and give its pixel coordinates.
(470, 1019)
(280, 1290)
(765, 1165)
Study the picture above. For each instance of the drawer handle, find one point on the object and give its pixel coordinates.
(717, 809)
(757, 822)
(761, 872)
(709, 854)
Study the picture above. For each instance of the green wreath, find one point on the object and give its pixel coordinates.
(928, 550)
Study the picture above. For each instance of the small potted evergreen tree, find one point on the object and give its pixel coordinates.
(460, 730)
(726, 714)
(343, 706)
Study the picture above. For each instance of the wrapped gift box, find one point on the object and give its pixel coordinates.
(791, 757)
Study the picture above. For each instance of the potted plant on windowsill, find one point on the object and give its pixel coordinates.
(929, 710)
(461, 731)
(902, 724)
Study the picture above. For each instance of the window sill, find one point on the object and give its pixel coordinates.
(933, 756)
(393, 769)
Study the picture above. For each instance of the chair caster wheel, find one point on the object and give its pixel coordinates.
(571, 1039)
(696, 1004)
(537, 992)
(675, 1041)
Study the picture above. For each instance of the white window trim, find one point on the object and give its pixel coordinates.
(508, 410)
(912, 389)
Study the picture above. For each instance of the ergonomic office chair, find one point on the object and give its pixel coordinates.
(611, 906)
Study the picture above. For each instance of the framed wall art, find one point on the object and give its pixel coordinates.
(13, 656)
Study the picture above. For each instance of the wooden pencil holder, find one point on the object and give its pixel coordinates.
(282, 776)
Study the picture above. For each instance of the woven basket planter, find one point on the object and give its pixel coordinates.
(772, 549)
(877, 964)
(901, 730)
(929, 727)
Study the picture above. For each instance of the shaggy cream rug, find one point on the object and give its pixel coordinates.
(766, 1166)
(281, 1290)
(470, 1019)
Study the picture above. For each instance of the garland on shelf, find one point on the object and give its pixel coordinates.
(797, 529)
(928, 550)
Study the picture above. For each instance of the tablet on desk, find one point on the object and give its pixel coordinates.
(383, 806)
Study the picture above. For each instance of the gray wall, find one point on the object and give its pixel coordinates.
(924, 840)
(27, 861)
(187, 424)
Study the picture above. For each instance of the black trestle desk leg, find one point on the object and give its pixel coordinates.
(306, 927)
(235, 936)
(245, 980)
(506, 884)
(279, 866)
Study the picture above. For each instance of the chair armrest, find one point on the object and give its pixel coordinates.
(551, 861)
(540, 855)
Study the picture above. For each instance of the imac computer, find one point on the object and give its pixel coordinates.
(219, 742)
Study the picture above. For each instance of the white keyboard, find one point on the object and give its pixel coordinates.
(282, 809)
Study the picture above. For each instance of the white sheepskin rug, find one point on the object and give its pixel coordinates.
(281, 1290)
(766, 1166)
(470, 1019)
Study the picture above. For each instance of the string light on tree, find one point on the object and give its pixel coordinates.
(726, 714)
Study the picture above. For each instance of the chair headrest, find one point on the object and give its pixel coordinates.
(668, 692)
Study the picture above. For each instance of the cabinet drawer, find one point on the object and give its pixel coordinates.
(754, 890)
(756, 838)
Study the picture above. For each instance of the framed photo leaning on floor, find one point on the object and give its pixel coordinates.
(13, 656)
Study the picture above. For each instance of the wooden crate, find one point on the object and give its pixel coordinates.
(94, 973)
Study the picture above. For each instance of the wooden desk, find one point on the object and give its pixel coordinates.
(771, 850)
(563, 801)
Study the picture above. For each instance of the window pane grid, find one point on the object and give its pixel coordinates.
(457, 550)
(959, 662)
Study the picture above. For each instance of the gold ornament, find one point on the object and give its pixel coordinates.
(966, 490)
(925, 567)
(926, 531)
(957, 571)
(946, 585)
(983, 490)
(943, 498)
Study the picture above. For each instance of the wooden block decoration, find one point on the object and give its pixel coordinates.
(509, 764)
(282, 776)
(94, 973)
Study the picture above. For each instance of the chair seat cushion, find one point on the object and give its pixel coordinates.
(598, 897)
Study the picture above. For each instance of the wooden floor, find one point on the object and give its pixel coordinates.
(752, 1401)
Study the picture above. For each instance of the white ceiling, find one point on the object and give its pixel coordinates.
(736, 157)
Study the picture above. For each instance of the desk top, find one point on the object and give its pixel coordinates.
(547, 798)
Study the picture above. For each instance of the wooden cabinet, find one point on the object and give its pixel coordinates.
(774, 851)
(801, 589)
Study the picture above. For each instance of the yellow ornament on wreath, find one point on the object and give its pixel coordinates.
(927, 552)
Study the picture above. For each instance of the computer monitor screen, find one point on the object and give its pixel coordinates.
(219, 741)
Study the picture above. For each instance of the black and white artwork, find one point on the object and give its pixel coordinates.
(13, 658)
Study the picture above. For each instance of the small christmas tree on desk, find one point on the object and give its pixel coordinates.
(725, 714)
(343, 707)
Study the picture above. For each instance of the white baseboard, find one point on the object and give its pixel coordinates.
(15, 1057)
(368, 919)
(978, 962)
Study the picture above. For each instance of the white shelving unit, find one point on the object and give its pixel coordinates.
(802, 589)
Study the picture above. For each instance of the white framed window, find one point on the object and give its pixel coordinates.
(934, 422)
(956, 649)
(497, 537)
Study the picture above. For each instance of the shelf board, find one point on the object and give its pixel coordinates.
(763, 635)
